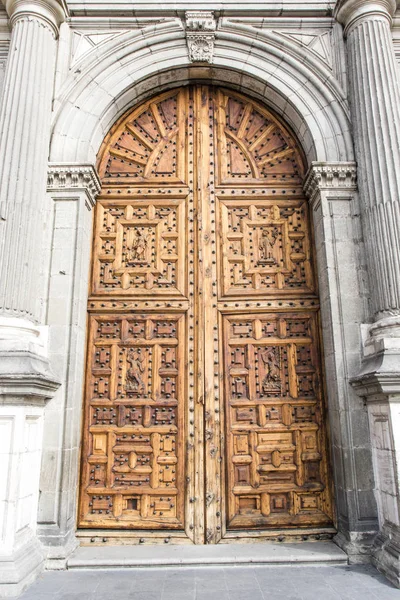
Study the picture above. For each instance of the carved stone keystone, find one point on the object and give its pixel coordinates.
(200, 36)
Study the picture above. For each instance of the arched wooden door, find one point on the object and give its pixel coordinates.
(204, 413)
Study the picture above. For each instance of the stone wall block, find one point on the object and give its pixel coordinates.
(72, 190)
(332, 192)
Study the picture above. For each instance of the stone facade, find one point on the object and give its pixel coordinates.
(68, 71)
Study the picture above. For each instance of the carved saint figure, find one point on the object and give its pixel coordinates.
(272, 378)
(137, 252)
(266, 245)
(134, 381)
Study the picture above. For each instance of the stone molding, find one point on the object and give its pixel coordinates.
(323, 177)
(27, 389)
(247, 58)
(350, 12)
(64, 177)
(200, 35)
(49, 13)
(4, 49)
(375, 386)
(386, 552)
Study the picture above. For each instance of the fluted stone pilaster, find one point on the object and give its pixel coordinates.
(24, 141)
(375, 105)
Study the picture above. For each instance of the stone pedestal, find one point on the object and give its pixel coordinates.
(379, 385)
(21, 428)
(25, 384)
(375, 106)
(26, 380)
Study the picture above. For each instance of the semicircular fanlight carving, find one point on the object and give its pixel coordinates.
(255, 145)
(144, 145)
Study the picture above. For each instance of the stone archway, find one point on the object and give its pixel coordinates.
(303, 92)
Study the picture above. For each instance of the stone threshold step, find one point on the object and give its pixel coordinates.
(121, 557)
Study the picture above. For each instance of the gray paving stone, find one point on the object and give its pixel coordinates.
(148, 585)
(211, 580)
(178, 596)
(359, 582)
(181, 586)
(38, 595)
(75, 596)
(143, 595)
(247, 584)
(277, 588)
(318, 595)
(216, 595)
(358, 594)
(246, 595)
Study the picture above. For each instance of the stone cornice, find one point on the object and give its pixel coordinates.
(140, 8)
(49, 12)
(350, 12)
(377, 386)
(64, 177)
(330, 176)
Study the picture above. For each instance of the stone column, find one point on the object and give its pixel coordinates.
(26, 381)
(375, 106)
(24, 145)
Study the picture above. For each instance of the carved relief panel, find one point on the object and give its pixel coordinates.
(277, 475)
(265, 247)
(140, 247)
(254, 146)
(136, 404)
(149, 145)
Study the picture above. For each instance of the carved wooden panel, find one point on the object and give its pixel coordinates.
(265, 247)
(134, 429)
(140, 247)
(253, 145)
(277, 473)
(148, 145)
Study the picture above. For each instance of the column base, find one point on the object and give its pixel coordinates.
(358, 546)
(381, 358)
(379, 384)
(26, 383)
(386, 553)
(25, 374)
(58, 549)
(21, 567)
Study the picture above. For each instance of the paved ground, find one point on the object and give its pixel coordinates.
(216, 583)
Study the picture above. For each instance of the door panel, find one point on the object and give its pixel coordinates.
(276, 445)
(265, 248)
(134, 471)
(204, 406)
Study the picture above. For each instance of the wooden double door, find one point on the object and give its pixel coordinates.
(204, 412)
